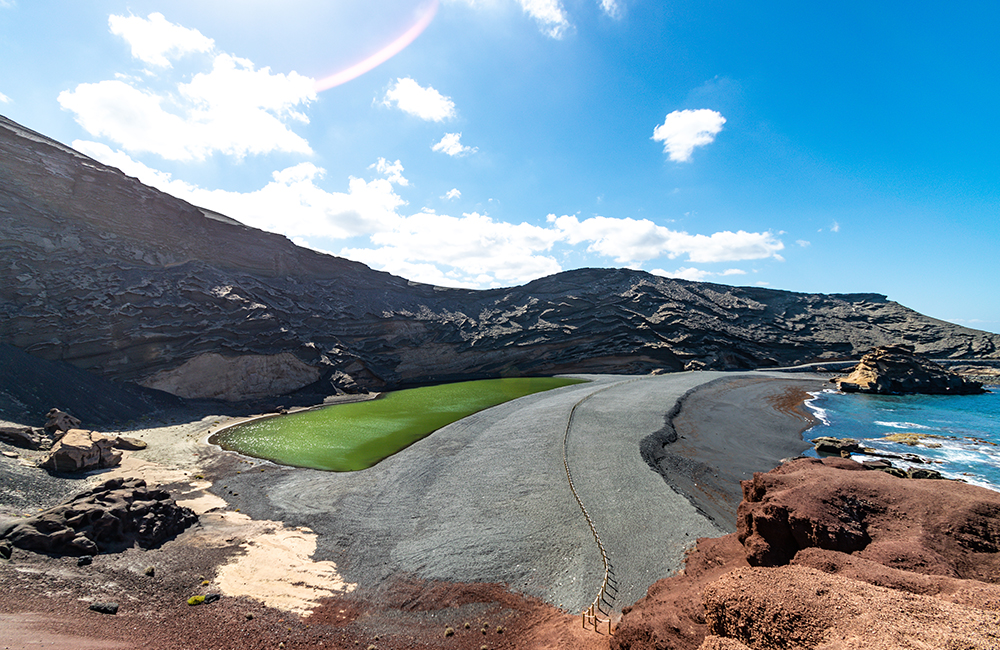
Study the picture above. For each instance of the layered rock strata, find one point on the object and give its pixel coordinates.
(134, 285)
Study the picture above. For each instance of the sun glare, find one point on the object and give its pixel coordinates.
(383, 55)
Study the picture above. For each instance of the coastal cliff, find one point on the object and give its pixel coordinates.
(134, 285)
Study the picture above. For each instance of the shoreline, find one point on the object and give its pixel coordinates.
(701, 451)
(250, 506)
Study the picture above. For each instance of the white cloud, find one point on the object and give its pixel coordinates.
(697, 275)
(550, 14)
(153, 39)
(292, 203)
(835, 227)
(4, 99)
(611, 8)
(453, 193)
(233, 109)
(393, 171)
(451, 145)
(475, 250)
(802, 242)
(682, 131)
(425, 103)
(472, 250)
(630, 241)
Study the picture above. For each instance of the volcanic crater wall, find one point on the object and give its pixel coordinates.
(135, 285)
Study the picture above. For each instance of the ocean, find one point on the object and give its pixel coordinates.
(958, 434)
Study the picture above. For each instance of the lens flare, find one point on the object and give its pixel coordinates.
(383, 55)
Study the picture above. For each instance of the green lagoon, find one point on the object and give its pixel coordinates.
(354, 436)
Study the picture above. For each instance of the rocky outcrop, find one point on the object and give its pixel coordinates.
(116, 515)
(25, 437)
(80, 450)
(58, 423)
(154, 284)
(896, 370)
(238, 378)
(843, 558)
(835, 505)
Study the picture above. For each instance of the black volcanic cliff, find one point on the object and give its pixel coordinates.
(127, 282)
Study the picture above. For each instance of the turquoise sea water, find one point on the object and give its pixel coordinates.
(959, 434)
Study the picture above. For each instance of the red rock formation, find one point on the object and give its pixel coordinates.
(931, 527)
(845, 558)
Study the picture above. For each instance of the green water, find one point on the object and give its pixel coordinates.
(349, 437)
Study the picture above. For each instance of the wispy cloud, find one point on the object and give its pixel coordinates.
(611, 8)
(550, 15)
(682, 131)
(154, 39)
(392, 171)
(697, 275)
(425, 103)
(451, 145)
(451, 194)
(4, 99)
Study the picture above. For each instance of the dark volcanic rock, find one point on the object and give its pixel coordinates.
(157, 287)
(111, 517)
(894, 370)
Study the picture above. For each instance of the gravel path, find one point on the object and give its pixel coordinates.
(486, 499)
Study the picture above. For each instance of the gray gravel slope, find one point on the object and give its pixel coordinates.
(486, 499)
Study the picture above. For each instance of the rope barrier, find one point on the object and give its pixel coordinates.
(590, 615)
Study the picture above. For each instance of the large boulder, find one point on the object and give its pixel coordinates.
(118, 514)
(25, 437)
(895, 370)
(80, 450)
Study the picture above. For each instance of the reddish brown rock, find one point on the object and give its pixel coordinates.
(58, 422)
(930, 527)
(799, 607)
(80, 451)
(671, 615)
(876, 562)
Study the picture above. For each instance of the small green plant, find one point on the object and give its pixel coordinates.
(196, 600)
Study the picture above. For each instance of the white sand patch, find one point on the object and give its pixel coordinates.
(277, 570)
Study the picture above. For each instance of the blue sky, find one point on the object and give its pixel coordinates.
(846, 147)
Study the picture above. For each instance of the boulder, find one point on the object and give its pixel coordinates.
(116, 515)
(895, 370)
(80, 450)
(58, 422)
(25, 437)
(844, 447)
(127, 443)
